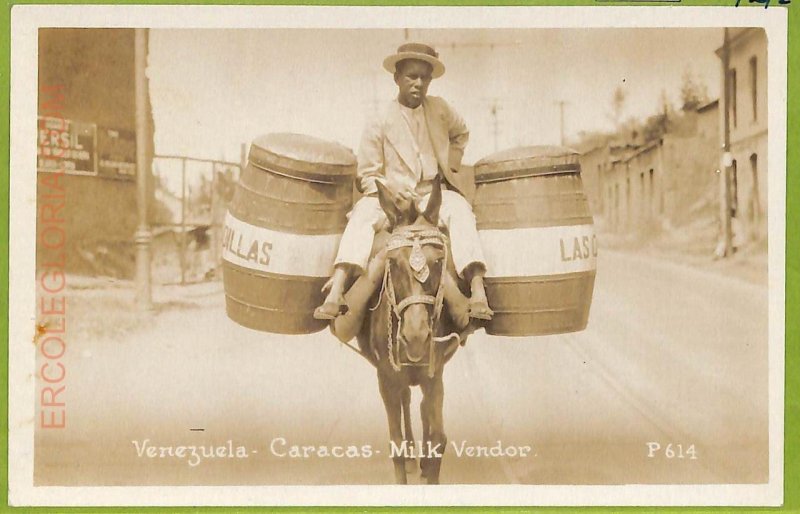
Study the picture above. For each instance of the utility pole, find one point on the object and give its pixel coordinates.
(561, 104)
(183, 222)
(495, 128)
(494, 110)
(727, 161)
(142, 236)
(214, 228)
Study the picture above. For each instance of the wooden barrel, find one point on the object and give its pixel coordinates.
(282, 231)
(539, 240)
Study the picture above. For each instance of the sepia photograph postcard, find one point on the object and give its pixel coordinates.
(397, 256)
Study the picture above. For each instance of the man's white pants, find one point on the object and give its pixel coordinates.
(367, 217)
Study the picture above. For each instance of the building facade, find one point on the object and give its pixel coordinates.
(669, 181)
(678, 179)
(594, 164)
(746, 81)
(86, 147)
(633, 189)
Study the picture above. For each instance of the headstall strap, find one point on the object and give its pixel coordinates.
(415, 238)
(411, 300)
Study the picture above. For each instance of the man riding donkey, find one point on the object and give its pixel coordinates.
(417, 141)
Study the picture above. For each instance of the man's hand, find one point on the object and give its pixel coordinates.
(404, 199)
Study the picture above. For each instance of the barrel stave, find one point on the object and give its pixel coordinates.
(534, 192)
(532, 202)
(286, 304)
(290, 204)
(287, 213)
(534, 306)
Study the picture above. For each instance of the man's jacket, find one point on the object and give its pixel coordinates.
(387, 151)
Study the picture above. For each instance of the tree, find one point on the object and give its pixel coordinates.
(665, 105)
(658, 124)
(654, 127)
(630, 131)
(618, 105)
(589, 139)
(694, 92)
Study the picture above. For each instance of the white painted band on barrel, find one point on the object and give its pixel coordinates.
(262, 249)
(526, 252)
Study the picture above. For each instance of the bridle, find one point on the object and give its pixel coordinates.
(415, 238)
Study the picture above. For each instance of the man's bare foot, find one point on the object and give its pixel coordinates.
(331, 308)
(479, 309)
(478, 303)
(334, 303)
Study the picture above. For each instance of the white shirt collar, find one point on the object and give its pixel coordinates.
(409, 110)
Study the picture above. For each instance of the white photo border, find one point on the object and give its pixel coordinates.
(25, 22)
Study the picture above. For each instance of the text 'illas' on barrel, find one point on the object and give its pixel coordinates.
(282, 231)
(538, 236)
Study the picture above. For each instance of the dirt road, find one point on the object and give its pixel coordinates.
(672, 356)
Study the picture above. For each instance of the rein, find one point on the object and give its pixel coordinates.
(416, 239)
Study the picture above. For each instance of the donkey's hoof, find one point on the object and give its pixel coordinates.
(423, 468)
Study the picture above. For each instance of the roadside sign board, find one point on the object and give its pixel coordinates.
(66, 146)
(116, 151)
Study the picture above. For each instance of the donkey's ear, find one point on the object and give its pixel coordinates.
(386, 199)
(434, 203)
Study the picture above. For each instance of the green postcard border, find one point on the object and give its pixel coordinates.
(792, 398)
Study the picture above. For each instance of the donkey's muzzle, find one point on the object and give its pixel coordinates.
(416, 331)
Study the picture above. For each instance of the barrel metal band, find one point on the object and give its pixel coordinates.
(340, 174)
(486, 177)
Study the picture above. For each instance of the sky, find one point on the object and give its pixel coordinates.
(213, 90)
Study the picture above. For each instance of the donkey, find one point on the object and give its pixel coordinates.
(408, 335)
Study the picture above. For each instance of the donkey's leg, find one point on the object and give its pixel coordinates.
(408, 432)
(424, 412)
(436, 443)
(392, 399)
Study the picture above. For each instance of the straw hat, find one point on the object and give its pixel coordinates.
(418, 51)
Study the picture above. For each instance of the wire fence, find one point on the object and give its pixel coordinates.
(191, 198)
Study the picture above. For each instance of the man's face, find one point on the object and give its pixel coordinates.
(413, 78)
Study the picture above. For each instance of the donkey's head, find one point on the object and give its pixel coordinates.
(416, 258)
